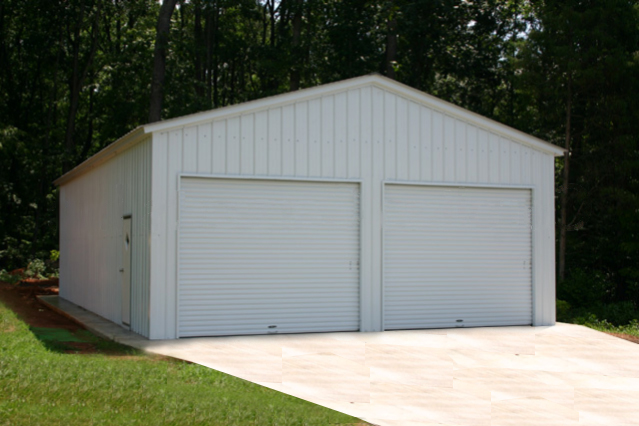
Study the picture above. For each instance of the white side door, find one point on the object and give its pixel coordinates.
(127, 243)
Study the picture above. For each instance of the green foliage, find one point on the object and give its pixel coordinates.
(586, 51)
(55, 256)
(563, 311)
(6, 277)
(585, 288)
(618, 314)
(36, 269)
(631, 327)
(40, 386)
(591, 294)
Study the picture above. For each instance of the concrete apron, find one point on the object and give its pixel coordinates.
(561, 375)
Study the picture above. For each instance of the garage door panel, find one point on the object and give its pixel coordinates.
(456, 257)
(232, 329)
(304, 217)
(268, 257)
(203, 282)
(295, 305)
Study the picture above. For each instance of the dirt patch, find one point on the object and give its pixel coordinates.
(81, 347)
(21, 299)
(8, 329)
(49, 326)
(633, 339)
(31, 282)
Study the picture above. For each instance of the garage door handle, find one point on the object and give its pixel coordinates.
(121, 269)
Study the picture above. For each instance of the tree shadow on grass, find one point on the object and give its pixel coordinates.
(65, 341)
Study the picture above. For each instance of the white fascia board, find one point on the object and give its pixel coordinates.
(104, 155)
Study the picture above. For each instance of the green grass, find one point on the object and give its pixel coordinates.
(618, 317)
(58, 339)
(41, 386)
(603, 325)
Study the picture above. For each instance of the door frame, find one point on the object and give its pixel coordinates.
(125, 292)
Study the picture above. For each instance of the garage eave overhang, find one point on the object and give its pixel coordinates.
(104, 155)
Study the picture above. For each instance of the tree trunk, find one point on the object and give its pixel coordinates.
(76, 83)
(297, 60)
(198, 38)
(13, 94)
(564, 190)
(211, 52)
(391, 43)
(159, 59)
(90, 119)
(74, 101)
(118, 27)
(271, 5)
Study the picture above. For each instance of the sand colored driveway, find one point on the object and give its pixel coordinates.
(562, 375)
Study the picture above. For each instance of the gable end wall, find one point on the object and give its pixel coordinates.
(367, 134)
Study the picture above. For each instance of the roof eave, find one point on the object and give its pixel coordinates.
(102, 156)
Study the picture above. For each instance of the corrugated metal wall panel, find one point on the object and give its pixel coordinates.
(386, 137)
(91, 210)
(456, 257)
(259, 256)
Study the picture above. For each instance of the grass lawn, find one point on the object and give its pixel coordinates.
(620, 319)
(42, 385)
(631, 329)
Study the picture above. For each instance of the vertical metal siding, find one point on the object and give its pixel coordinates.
(259, 256)
(456, 257)
(91, 210)
(386, 137)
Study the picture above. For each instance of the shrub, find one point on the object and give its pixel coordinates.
(563, 311)
(585, 289)
(8, 278)
(36, 269)
(617, 313)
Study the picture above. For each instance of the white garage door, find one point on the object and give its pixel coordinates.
(456, 257)
(259, 256)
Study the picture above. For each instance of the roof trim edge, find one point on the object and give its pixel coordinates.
(102, 156)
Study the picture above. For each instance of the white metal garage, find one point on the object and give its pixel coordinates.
(358, 205)
(457, 257)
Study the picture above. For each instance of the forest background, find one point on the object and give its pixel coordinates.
(75, 75)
